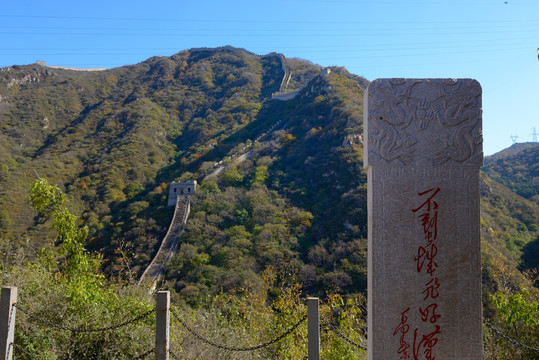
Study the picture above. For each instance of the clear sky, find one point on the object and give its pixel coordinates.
(493, 41)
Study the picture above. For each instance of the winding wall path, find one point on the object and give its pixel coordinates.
(283, 94)
(169, 245)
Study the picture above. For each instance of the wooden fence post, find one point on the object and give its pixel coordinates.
(162, 322)
(313, 328)
(7, 322)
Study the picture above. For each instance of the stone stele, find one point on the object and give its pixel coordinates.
(423, 151)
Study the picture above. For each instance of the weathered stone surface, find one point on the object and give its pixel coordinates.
(185, 189)
(423, 150)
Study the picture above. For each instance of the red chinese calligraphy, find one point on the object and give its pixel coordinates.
(427, 342)
(429, 313)
(429, 201)
(430, 224)
(427, 253)
(431, 289)
(403, 328)
(426, 264)
(427, 214)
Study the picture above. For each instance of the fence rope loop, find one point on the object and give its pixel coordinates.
(142, 356)
(344, 337)
(176, 357)
(510, 339)
(26, 354)
(67, 328)
(230, 348)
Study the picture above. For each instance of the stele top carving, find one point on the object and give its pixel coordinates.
(423, 122)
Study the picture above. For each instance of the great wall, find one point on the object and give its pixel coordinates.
(179, 192)
(283, 94)
(42, 63)
(169, 245)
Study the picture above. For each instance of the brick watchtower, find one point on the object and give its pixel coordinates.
(185, 189)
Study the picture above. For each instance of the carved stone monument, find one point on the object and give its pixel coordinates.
(423, 151)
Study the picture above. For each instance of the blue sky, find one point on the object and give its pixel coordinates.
(489, 40)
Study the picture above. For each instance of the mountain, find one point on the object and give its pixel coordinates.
(510, 151)
(281, 182)
(517, 167)
(512, 201)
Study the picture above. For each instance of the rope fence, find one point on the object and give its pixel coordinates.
(517, 343)
(144, 355)
(28, 355)
(176, 357)
(9, 307)
(74, 330)
(337, 332)
(231, 348)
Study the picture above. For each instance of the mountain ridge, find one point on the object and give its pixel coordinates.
(517, 167)
(114, 139)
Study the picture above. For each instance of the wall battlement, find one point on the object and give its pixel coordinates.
(184, 189)
(289, 95)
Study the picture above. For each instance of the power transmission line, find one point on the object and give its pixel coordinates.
(320, 48)
(258, 21)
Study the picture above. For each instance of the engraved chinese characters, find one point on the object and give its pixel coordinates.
(423, 153)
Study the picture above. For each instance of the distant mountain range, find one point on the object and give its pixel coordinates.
(281, 182)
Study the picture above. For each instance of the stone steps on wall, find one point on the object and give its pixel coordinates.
(169, 245)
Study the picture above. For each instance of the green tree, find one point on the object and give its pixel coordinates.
(232, 177)
(260, 175)
(517, 316)
(79, 267)
(64, 286)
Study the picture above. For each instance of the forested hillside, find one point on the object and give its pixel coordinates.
(517, 167)
(280, 212)
(510, 206)
(281, 182)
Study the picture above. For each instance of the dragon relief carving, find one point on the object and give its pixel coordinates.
(390, 120)
(462, 119)
(394, 105)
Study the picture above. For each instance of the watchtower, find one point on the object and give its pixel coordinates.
(185, 189)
